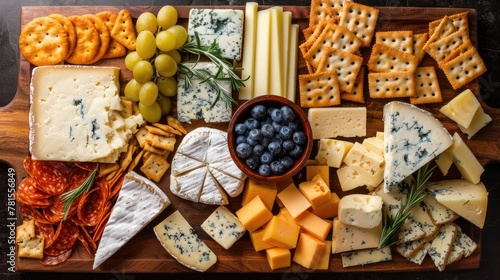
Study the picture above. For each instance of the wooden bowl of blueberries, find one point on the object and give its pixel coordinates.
(270, 138)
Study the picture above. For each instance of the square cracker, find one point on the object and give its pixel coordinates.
(386, 59)
(155, 167)
(161, 141)
(464, 68)
(444, 29)
(426, 86)
(337, 6)
(399, 40)
(320, 89)
(26, 230)
(391, 84)
(440, 49)
(463, 48)
(460, 21)
(124, 30)
(32, 248)
(141, 136)
(360, 19)
(356, 95)
(346, 65)
(320, 10)
(419, 41)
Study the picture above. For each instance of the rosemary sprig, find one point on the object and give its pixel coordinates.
(226, 70)
(70, 196)
(392, 225)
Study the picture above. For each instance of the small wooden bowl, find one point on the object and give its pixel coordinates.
(244, 112)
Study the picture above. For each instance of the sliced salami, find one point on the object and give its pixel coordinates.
(55, 260)
(88, 166)
(28, 213)
(67, 236)
(47, 231)
(28, 165)
(29, 194)
(86, 243)
(76, 176)
(50, 176)
(91, 206)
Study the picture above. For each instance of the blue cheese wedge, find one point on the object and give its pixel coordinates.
(367, 256)
(224, 227)
(349, 238)
(195, 102)
(441, 245)
(223, 26)
(140, 201)
(181, 242)
(412, 138)
(75, 114)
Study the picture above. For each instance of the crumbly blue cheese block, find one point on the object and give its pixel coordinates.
(195, 102)
(181, 242)
(412, 138)
(224, 227)
(349, 238)
(75, 114)
(224, 26)
(367, 256)
(139, 202)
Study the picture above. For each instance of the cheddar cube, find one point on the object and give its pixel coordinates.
(266, 190)
(324, 260)
(281, 233)
(314, 225)
(278, 257)
(322, 170)
(309, 251)
(316, 191)
(294, 200)
(329, 209)
(257, 242)
(254, 214)
(285, 214)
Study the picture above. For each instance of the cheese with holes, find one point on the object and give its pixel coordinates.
(224, 227)
(316, 191)
(332, 152)
(361, 210)
(338, 121)
(75, 114)
(139, 202)
(181, 242)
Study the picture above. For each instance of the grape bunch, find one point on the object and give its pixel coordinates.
(154, 62)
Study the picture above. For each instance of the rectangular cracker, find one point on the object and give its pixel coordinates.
(320, 10)
(444, 29)
(356, 95)
(399, 40)
(386, 59)
(419, 41)
(391, 84)
(320, 89)
(440, 49)
(360, 19)
(460, 21)
(426, 86)
(158, 131)
(161, 142)
(141, 136)
(167, 128)
(346, 64)
(337, 6)
(464, 68)
(463, 48)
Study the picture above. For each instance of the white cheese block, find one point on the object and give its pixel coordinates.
(468, 200)
(276, 71)
(412, 138)
(456, 253)
(75, 114)
(262, 53)
(332, 151)
(224, 227)
(360, 210)
(420, 216)
(444, 161)
(374, 144)
(442, 244)
(139, 202)
(462, 108)
(290, 80)
(468, 165)
(181, 242)
(480, 120)
(367, 256)
(349, 238)
(354, 176)
(248, 57)
(337, 121)
(410, 231)
(224, 26)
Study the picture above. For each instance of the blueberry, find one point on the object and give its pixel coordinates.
(288, 145)
(267, 131)
(251, 123)
(259, 112)
(241, 139)
(297, 151)
(274, 148)
(255, 134)
(287, 162)
(287, 113)
(295, 125)
(253, 162)
(240, 129)
(265, 170)
(277, 168)
(250, 141)
(285, 133)
(276, 126)
(265, 141)
(277, 116)
(266, 157)
(299, 138)
(277, 139)
(243, 150)
(267, 120)
(258, 150)
(270, 110)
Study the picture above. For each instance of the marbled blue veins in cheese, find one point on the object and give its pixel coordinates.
(224, 26)
(224, 227)
(412, 138)
(194, 103)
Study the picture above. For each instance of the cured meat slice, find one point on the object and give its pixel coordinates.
(55, 260)
(29, 194)
(47, 231)
(91, 205)
(28, 212)
(50, 176)
(67, 236)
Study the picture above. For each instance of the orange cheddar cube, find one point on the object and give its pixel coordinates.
(281, 233)
(266, 190)
(254, 214)
(322, 170)
(314, 225)
(324, 261)
(257, 242)
(278, 257)
(294, 200)
(329, 209)
(316, 191)
(285, 214)
(309, 251)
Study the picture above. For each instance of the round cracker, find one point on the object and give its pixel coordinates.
(87, 41)
(109, 18)
(43, 41)
(70, 29)
(104, 37)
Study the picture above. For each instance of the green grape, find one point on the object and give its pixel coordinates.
(167, 16)
(167, 86)
(131, 59)
(165, 104)
(175, 55)
(150, 113)
(143, 71)
(148, 93)
(165, 40)
(165, 65)
(180, 35)
(132, 90)
(145, 44)
(146, 21)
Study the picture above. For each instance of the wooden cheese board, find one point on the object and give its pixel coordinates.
(144, 253)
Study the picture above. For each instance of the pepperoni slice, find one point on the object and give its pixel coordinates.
(76, 176)
(28, 212)
(67, 236)
(28, 165)
(86, 243)
(29, 194)
(55, 260)
(103, 184)
(89, 166)
(47, 231)
(91, 206)
(50, 176)
(99, 228)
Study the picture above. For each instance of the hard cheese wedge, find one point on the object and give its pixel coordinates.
(139, 202)
(180, 241)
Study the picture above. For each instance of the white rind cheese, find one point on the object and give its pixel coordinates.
(181, 242)
(140, 201)
(224, 227)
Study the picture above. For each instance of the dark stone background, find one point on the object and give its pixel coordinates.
(488, 12)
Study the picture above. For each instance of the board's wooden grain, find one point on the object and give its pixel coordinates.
(144, 253)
